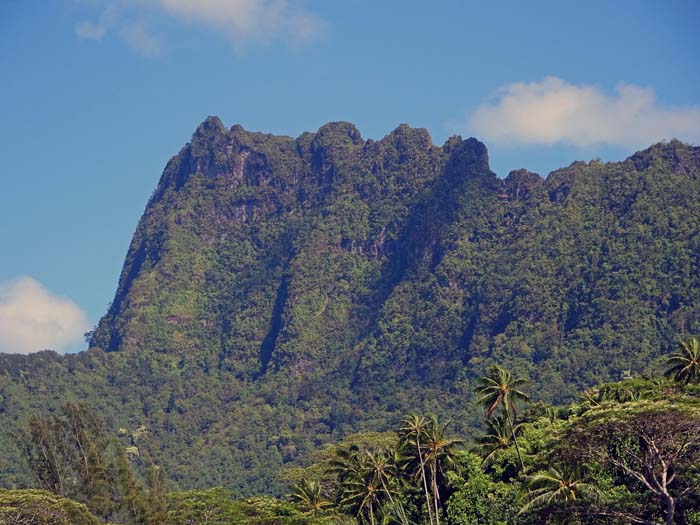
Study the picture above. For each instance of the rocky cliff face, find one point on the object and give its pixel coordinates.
(398, 259)
(274, 253)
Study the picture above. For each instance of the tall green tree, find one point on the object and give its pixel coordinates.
(412, 433)
(439, 456)
(68, 453)
(72, 455)
(499, 389)
(385, 470)
(655, 448)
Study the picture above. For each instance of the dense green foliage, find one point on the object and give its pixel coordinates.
(217, 507)
(280, 294)
(203, 507)
(39, 507)
(629, 452)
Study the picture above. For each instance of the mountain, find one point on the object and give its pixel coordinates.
(281, 293)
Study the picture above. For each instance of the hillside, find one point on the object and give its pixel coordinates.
(280, 293)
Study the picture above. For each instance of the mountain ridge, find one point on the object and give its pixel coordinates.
(280, 293)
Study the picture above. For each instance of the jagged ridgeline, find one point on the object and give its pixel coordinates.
(280, 293)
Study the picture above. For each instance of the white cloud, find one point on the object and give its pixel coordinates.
(554, 111)
(33, 319)
(246, 20)
(242, 21)
(87, 30)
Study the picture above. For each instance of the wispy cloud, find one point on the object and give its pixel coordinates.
(554, 111)
(141, 41)
(33, 319)
(249, 20)
(243, 22)
(87, 30)
(106, 16)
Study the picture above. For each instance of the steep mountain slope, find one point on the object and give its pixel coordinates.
(280, 293)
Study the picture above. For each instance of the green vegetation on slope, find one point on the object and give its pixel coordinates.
(281, 293)
(628, 452)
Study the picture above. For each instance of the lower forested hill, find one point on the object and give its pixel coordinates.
(281, 293)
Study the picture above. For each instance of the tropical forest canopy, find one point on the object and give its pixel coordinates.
(627, 452)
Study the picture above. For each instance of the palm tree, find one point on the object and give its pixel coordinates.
(309, 496)
(439, 455)
(429, 452)
(385, 467)
(499, 389)
(385, 470)
(684, 364)
(557, 486)
(496, 439)
(412, 434)
(362, 496)
(356, 488)
(365, 483)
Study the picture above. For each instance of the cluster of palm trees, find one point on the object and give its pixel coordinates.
(367, 481)
(372, 484)
(431, 452)
(500, 391)
(378, 485)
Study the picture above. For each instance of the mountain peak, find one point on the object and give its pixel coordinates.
(211, 126)
(342, 131)
(674, 151)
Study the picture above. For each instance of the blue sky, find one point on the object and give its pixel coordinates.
(96, 95)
